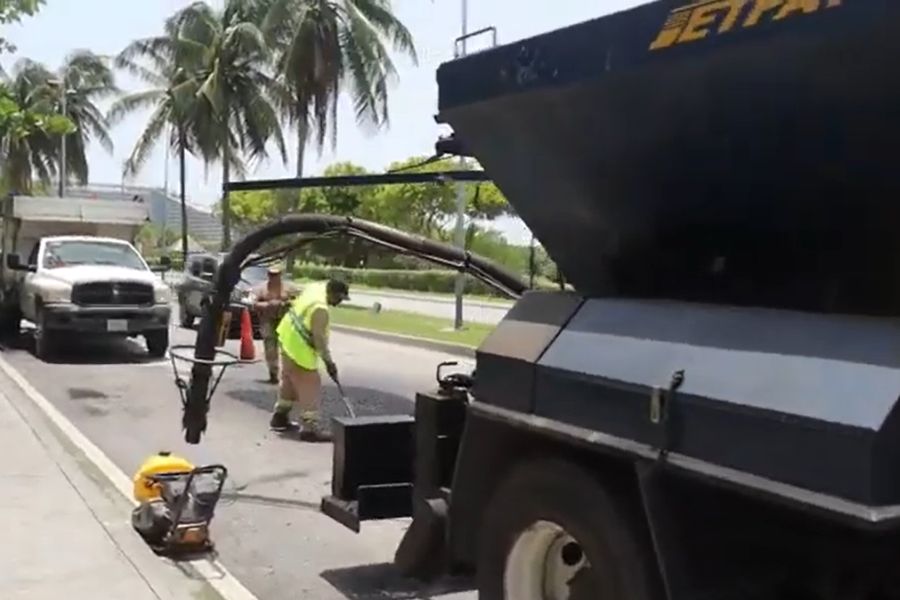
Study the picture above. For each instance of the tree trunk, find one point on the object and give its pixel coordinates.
(182, 196)
(302, 134)
(226, 200)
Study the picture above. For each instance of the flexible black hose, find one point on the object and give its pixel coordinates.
(196, 407)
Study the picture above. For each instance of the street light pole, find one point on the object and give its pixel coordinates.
(62, 145)
(461, 193)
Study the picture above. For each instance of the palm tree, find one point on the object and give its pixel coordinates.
(235, 117)
(86, 79)
(166, 63)
(28, 152)
(323, 46)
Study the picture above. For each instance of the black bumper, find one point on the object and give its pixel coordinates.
(113, 320)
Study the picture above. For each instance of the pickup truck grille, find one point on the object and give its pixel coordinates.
(103, 293)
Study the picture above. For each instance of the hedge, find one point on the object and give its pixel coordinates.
(429, 280)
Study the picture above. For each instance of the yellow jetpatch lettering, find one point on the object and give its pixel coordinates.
(792, 6)
(697, 21)
(760, 8)
(698, 25)
(737, 6)
(671, 31)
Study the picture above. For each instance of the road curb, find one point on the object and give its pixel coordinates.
(408, 340)
(387, 293)
(216, 576)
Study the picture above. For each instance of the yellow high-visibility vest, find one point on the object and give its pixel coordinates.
(295, 329)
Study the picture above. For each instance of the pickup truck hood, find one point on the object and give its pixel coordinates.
(84, 273)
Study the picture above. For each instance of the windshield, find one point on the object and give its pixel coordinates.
(82, 252)
(254, 274)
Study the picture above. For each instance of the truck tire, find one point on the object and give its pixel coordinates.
(10, 322)
(157, 342)
(552, 530)
(45, 341)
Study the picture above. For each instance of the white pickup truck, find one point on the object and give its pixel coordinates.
(81, 275)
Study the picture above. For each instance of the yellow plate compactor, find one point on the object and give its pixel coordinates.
(177, 502)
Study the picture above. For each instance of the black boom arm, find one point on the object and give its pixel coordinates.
(196, 404)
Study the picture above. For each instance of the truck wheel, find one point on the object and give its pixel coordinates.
(552, 532)
(157, 342)
(10, 322)
(44, 339)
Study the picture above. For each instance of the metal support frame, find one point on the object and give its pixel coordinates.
(357, 180)
(460, 50)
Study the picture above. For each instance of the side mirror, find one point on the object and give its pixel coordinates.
(207, 270)
(14, 263)
(165, 263)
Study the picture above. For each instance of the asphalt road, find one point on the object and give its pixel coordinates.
(268, 529)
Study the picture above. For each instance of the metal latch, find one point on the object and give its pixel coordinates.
(657, 405)
(660, 410)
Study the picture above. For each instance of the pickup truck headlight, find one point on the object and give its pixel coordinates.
(162, 293)
(55, 292)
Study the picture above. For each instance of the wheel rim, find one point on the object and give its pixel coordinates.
(542, 564)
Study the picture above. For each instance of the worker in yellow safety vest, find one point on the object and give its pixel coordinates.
(303, 339)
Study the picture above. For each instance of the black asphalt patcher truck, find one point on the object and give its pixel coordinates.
(713, 412)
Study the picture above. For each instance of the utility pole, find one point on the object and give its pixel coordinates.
(461, 192)
(63, 91)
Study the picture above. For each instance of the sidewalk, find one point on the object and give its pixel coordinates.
(65, 536)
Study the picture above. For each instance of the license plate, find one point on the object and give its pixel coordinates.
(117, 325)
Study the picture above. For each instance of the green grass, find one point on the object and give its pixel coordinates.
(366, 288)
(394, 321)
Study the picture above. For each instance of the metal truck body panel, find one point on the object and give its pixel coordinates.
(750, 164)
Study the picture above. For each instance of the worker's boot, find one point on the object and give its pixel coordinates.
(273, 376)
(312, 431)
(281, 421)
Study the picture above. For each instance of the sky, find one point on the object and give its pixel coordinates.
(107, 26)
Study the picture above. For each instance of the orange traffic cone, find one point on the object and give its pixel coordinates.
(248, 350)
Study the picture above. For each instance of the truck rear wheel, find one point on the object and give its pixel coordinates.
(157, 342)
(552, 532)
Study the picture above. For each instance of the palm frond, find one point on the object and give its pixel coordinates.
(381, 19)
(134, 102)
(147, 141)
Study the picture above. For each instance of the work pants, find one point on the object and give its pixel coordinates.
(271, 349)
(300, 387)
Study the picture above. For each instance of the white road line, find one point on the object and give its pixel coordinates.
(212, 571)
